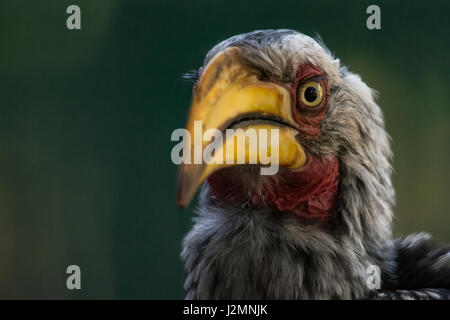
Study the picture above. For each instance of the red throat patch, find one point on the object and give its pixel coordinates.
(310, 192)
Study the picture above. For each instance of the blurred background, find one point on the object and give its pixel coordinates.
(86, 118)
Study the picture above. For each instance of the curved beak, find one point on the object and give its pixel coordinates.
(230, 95)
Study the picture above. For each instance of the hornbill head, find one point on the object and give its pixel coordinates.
(333, 188)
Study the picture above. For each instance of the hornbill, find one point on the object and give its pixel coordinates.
(312, 230)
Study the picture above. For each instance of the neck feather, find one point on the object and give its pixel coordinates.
(237, 253)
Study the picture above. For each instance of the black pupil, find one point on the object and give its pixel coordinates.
(310, 94)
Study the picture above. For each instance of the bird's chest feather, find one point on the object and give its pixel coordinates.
(258, 255)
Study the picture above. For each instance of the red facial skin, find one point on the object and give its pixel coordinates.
(309, 192)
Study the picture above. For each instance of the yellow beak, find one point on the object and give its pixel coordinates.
(230, 94)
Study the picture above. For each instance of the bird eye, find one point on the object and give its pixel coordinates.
(311, 94)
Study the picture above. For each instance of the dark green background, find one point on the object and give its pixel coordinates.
(86, 117)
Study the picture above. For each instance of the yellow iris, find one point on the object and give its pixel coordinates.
(311, 94)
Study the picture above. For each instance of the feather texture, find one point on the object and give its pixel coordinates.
(237, 251)
(422, 270)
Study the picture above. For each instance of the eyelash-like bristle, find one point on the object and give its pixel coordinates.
(191, 76)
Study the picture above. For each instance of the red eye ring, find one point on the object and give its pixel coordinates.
(309, 75)
(307, 116)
